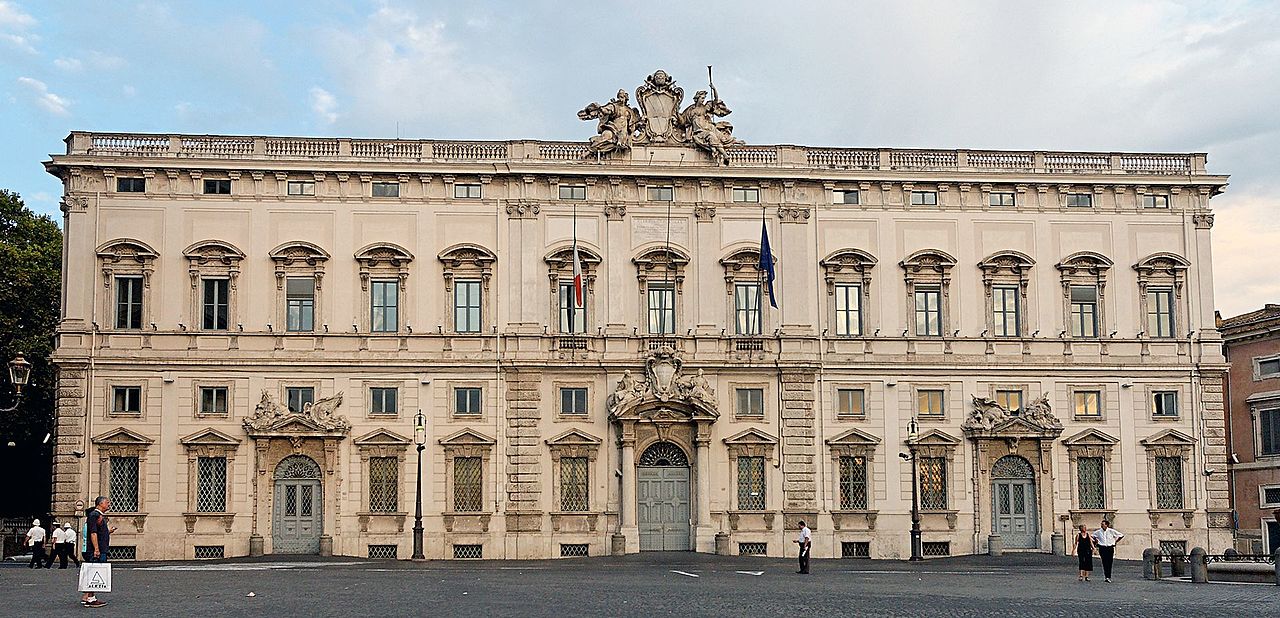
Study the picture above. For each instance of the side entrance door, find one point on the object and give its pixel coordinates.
(663, 513)
(1015, 512)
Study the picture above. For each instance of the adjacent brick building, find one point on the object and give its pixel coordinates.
(1252, 346)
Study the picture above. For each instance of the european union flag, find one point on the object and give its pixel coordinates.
(766, 262)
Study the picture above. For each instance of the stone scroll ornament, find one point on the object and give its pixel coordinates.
(270, 414)
(987, 414)
(664, 380)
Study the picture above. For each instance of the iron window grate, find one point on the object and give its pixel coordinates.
(384, 480)
(751, 483)
(122, 552)
(211, 490)
(753, 549)
(933, 483)
(468, 552)
(383, 552)
(934, 549)
(573, 484)
(124, 484)
(1089, 471)
(1168, 482)
(573, 550)
(1170, 548)
(467, 491)
(203, 552)
(855, 549)
(853, 483)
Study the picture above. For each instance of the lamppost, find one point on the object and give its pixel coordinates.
(19, 374)
(420, 439)
(913, 433)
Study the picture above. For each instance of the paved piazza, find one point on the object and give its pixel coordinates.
(637, 585)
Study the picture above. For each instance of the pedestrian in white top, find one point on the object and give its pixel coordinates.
(67, 546)
(35, 540)
(805, 541)
(55, 545)
(1106, 538)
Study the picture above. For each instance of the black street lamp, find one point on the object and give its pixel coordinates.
(419, 438)
(19, 374)
(917, 546)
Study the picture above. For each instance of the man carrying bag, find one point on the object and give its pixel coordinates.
(95, 575)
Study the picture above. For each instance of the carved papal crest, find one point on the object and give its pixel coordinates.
(660, 98)
(664, 381)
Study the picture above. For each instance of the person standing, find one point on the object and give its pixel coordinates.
(35, 540)
(68, 545)
(99, 530)
(1107, 538)
(55, 547)
(1084, 548)
(805, 541)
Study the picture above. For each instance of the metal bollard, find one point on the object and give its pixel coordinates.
(1150, 568)
(1199, 568)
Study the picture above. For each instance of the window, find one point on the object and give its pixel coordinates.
(1088, 404)
(573, 401)
(466, 191)
(126, 400)
(1001, 199)
(662, 194)
(573, 192)
(928, 312)
(924, 198)
(467, 489)
(131, 185)
(1270, 496)
(1268, 368)
(300, 304)
(1164, 404)
(1155, 201)
(853, 483)
(1079, 200)
(129, 302)
(384, 484)
(1269, 426)
(751, 483)
(662, 308)
(299, 397)
(383, 401)
(929, 402)
(1010, 400)
(217, 187)
(1160, 313)
(385, 189)
(1168, 482)
(1084, 311)
(301, 187)
(1090, 482)
(466, 401)
(574, 488)
(746, 195)
(1004, 303)
(466, 307)
(211, 485)
(216, 304)
(746, 308)
(848, 309)
(851, 402)
(213, 400)
(847, 196)
(573, 317)
(933, 483)
(123, 488)
(750, 401)
(385, 306)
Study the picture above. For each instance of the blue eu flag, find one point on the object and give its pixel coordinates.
(766, 262)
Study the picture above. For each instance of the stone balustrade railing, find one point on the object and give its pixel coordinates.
(561, 153)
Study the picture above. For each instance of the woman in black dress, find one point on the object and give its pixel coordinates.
(1084, 548)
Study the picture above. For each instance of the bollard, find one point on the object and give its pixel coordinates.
(1056, 542)
(722, 544)
(1275, 559)
(1177, 563)
(1230, 553)
(618, 544)
(1150, 567)
(1199, 568)
(995, 545)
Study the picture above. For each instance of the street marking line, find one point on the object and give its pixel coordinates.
(684, 574)
(756, 573)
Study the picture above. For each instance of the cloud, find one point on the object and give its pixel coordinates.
(48, 101)
(13, 18)
(22, 43)
(68, 64)
(1243, 228)
(106, 62)
(324, 105)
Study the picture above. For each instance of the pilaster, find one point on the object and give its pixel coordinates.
(523, 450)
(799, 488)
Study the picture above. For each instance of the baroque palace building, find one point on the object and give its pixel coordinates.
(250, 325)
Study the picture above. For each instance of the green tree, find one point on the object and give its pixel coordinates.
(30, 286)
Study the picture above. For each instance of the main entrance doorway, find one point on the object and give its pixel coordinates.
(663, 495)
(1013, 491)
(297, 519)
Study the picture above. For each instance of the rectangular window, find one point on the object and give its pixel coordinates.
(216, 304)
(848, 309)
(1270, 497)
(1160, 313)
(1088, 404)
(574, 488)
(385, 189)
(466, 306)
(573, 401)
(384, 300)
(384, 484)
(1009, 400)
(383, 401)
(467, 489)
(750, 401)
(573, 192)
(929, 402)
(126, 400)
(129, 302)
(928, 312)
(1090, 481)
(1168, 482)
(301, 187)
(466, 191)
(300, 304)
(751, 484)
(741, 194)
(131, 185)
(933, 483)
(1001, 199)
(1269, 426)
(1269, 367)
(1155, 201)
(846, 196)
(213, 400)
(662, 194)
(1164, 404)
(123, 488)
(853, 483)
(746, 308)
(1005, 302)
(573, 318)
(466, 401)
(924, 198)
(217, 187)
(851, 402)
(662, 309)
(211, 485)
(1079, 200)
(1084, 311)
(299, 397)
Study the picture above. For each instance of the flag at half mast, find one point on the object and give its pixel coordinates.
(577, 277)
(766, 262)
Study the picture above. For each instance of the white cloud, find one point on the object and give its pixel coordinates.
(13, 18)
(324, 105)
(24, 43)
(48, 101)
(68, 64)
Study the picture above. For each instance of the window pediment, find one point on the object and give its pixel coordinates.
(382, 437)
(383, 254)
(210, 437)
(122, 437)
(467, 437)
(928, 261)
(1167, 438)
(1085, 263)
(751, 436)
(299, 253)
(467, 254)
(743, 259)
(125, 250)
(213, 253)
(1090, 437)
(659, 261)
(574, 438)
(1012, 264)
(854, 437)
(936, 437)
(562, 258)
(1170, 264)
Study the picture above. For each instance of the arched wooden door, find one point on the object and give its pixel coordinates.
(662, 493)
(1013, 493)
(298, 513)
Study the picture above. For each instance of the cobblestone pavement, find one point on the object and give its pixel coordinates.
(1031, 585)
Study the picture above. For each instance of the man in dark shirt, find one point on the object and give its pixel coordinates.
(98, 529)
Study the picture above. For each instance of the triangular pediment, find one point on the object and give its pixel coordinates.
(1090, 437)
(382, 437)
(854, 437)
(1168, 437)
(751, 436)
(296, 424)
(209, 437)
(122, 436)
(1017, 426)
(467, 437)
(574, 437)
(938, 437)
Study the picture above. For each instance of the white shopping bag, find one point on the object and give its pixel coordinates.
(95, 577)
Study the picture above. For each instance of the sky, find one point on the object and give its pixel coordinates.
(1104, 75)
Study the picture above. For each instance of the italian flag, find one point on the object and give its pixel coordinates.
(577, 277)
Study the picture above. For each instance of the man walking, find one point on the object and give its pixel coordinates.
(35, 540)
(805, 541)
(99, 533)
(69, 545)
(1107, 537)
(55, 547)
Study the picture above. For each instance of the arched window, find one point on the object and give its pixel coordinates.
(467, 271)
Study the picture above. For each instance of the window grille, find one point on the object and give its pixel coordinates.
(934, 549)
(1168, 482)
(574, 489)
(753, 549)
(1271, 495)
(122, 552)
(297, 467)
(384, 484)
(204, 552)
(467, 494)
(211, 491)
(853, 483)
(573, 550)
(124, 484)
(468, 552)
(1090, 476)
(751, 483)
(933, 483)
(855, 549)
(664, 454)
(1012, 467)
(1170, 548)
(383, 552)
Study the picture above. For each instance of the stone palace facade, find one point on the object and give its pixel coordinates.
(250, 325)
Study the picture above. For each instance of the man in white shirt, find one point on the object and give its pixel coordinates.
(69, 545)
(805, 541)
(35, 540)
(55, 547)
(1106, 538)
